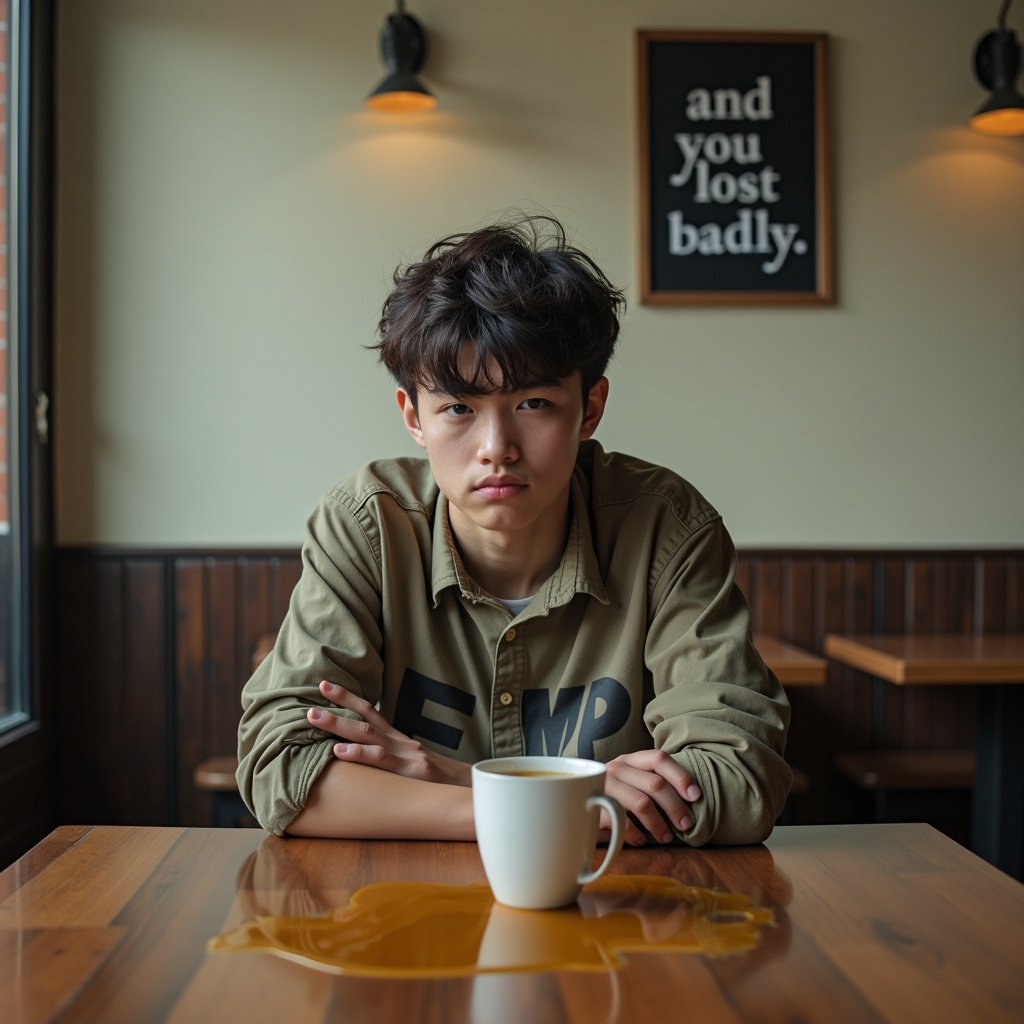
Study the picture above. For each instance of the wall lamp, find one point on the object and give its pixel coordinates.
(996, 66)
(403, 48)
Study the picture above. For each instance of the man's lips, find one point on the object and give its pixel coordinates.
(500, 487)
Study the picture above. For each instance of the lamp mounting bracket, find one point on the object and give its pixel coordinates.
(403, 44)
(997, 55)
(996, 48)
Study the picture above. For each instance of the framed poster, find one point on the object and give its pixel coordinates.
(734, 176)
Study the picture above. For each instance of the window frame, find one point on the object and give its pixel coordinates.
(26, 775)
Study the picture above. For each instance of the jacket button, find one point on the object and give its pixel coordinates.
(510, 635)
(506, 698)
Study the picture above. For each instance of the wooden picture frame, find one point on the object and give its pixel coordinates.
(735, 192)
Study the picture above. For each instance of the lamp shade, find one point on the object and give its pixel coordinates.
(403, 48)
(1002, 114)
(401, 93)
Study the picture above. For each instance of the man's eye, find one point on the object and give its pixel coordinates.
(457, 409)
(534, 403)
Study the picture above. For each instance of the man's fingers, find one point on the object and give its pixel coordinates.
(350, 702)
(633, 835)
(654, 791)
(362, 753)
(343, 698)
(650, 795)
(667, 767)
(371, 740)
(355, 730)
(642, 813)
(321, 719)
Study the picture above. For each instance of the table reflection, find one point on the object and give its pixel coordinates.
(416, 929)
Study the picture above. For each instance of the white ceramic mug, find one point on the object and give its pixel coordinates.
(536, 826)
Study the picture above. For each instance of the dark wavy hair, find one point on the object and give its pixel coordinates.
(529, 306)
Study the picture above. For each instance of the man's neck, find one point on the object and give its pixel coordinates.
(506, 564)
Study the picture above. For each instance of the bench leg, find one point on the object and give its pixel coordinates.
(999, 777)
(227, 809)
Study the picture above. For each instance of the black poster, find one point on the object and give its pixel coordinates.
(734, 189)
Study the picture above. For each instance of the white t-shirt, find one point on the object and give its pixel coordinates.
(516, 604)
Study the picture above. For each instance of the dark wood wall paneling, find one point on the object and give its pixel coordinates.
(153, 649)
(154, 646)
(803, 595)
(25, 820)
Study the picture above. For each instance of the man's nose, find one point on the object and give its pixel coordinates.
(498, 440)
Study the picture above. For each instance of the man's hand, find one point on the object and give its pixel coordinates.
(372, 741)
(655, 792)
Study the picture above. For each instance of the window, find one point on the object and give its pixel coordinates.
(25, 48)
(26, 105)
(11, 701)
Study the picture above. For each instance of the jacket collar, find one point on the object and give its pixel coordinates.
(577, 572)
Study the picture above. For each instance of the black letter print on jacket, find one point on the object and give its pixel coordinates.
(549, 731)
(416, 690)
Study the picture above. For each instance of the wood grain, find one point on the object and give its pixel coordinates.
(89, 884)
(792, 665)
(933, 660)
(873, 923)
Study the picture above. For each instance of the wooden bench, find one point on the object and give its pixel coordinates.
(216, 775)
(910, 783)
(264, 646)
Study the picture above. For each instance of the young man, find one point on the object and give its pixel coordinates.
(519, 591)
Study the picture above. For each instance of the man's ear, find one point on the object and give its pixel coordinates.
(594, 409)
(409, 416)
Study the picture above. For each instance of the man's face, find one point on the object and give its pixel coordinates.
(504, 460)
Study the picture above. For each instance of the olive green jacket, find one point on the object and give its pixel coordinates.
(640, 638)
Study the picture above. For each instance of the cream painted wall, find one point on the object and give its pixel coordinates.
(228, 220)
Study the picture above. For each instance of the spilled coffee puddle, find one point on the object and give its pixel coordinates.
(418, 930)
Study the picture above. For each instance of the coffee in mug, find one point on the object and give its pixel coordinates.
(536, 825)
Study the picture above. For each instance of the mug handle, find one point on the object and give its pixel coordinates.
(618, 817)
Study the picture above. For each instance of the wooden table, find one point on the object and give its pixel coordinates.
(871, 923)
(996, 664)
(792, 665)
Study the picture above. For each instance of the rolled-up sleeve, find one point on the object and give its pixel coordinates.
(332, 632)
(717, 708)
